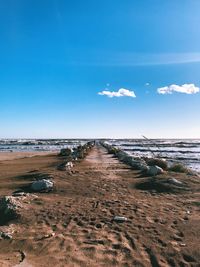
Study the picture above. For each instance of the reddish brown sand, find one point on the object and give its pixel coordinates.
(72, 226)
(19, 155)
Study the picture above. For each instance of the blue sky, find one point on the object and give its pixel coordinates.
(56, 56)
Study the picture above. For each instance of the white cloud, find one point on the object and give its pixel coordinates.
(185, 89)
(147, 84)
(121, 92)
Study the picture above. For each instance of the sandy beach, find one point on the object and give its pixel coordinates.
(73, 225)
(20, 155)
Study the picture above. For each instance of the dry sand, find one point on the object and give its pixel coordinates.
(20, 155)
(72, 226)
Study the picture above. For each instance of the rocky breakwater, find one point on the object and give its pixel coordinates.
(158, 172)
(135, 162)
(72, 155)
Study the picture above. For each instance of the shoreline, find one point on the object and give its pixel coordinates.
(177, 151)
(73, 225)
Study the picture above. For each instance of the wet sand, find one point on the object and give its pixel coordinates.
(73, 226)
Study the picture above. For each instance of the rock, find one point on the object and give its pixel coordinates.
(66, 166)
(140, 165)
(154, 170)
(143, 167)
(42, 185)
(128, 160)
(65, 152)
(120, 219)
(69, 165)
(162, 163)
(113, 150)
(175, 181)
(80, 152)
(9, 208)
(4, 235)
(122, 156)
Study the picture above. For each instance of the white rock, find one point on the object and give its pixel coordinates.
(5, 235)
(175, 181)
(69, 165)
(41, 185)
(9, 206)
(154, 170)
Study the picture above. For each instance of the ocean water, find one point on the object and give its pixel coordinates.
(30, 145)
(185, 151)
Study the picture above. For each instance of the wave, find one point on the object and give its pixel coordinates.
(181, 145)
(162, 151)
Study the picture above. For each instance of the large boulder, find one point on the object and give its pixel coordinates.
(136, 164)
(42, 185)
(79, 154)
(154, 170)
(162, 163)
(122, 155)
(65, 152)
(9, 207)
(113, 150)
(143, 167)
(128, 159)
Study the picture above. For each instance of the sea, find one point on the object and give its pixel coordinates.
(185, 151)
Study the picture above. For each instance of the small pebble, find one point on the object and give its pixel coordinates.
(183, 245)
(120, 219)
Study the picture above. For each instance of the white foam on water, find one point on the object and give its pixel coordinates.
(175, 150)
(184, 151)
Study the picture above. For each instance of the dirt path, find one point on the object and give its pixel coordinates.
(73, 226)
(104, 163)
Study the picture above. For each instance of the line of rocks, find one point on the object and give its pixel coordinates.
(147, 166)
(11, 206)
(74, 154)
(151, 167)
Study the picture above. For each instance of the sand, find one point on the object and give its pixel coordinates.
(73, 225)
(20, 155)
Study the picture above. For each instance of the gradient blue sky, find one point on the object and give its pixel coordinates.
(56, 55)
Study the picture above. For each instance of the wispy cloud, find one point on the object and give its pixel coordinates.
(120, 93)
(121, 59)
(106, 59)
(185, 89)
